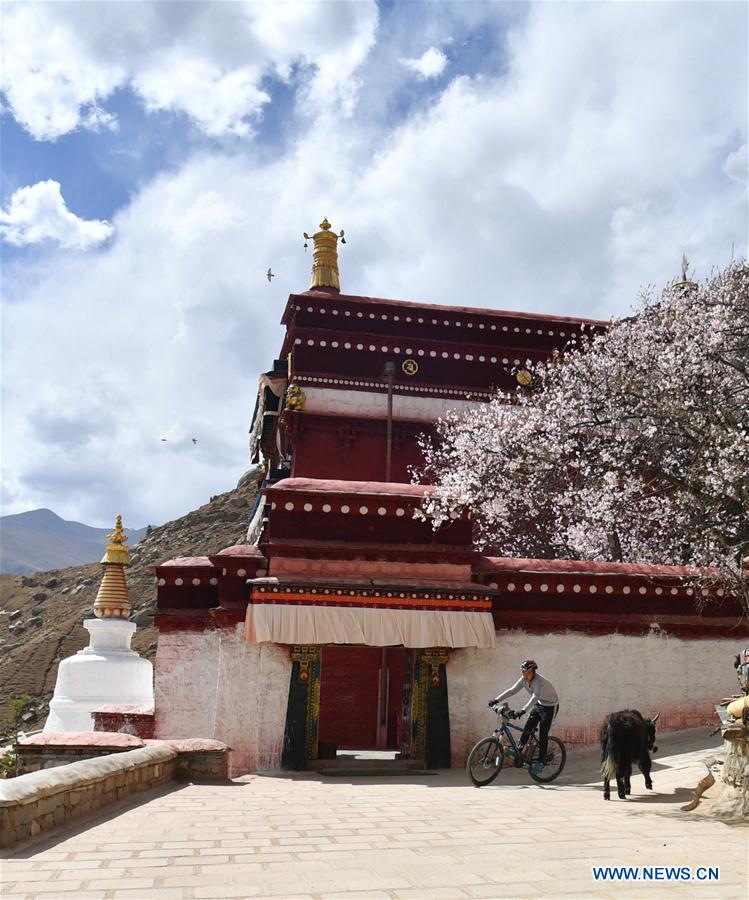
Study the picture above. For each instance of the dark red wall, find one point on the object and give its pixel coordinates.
(323, 454)
(348, 695)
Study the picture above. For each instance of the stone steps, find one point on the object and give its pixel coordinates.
(369, 765)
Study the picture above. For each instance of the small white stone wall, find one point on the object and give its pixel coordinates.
(593, 675)
(213, 684)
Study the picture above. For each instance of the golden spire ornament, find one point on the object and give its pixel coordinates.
(685, 284)
(113, 600)
(325, 257)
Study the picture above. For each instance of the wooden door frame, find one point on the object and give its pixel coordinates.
(426, 720)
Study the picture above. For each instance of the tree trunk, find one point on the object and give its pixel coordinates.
(733, 799)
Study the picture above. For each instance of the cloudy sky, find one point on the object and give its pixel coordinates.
(159, 157)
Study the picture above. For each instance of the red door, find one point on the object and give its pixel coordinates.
(361, 697)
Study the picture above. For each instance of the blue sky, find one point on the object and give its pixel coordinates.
(158, 157)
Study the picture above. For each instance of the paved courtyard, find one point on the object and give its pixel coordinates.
(312, 836)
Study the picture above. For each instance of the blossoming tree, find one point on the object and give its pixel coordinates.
(630, 445)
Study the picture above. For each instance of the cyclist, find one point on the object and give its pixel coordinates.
(543, 704)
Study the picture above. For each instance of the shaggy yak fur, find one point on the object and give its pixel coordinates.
(626, 737)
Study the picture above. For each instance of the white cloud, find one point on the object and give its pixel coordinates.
(38, 213)
(582, 172)
(431, 63)
(50, 79)
(736, 165)
(93, 118)
(221, 103)
(206, 60)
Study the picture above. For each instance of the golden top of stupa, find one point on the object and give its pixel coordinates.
(116, 551)
(113, 600)
(325, 257)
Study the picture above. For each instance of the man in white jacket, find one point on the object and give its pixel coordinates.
(543, 705)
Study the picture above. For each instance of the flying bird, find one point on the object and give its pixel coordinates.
(194, 440)
(164, 439)
(269, 275)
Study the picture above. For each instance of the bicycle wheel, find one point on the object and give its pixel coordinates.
(485, 761)
(556, 757)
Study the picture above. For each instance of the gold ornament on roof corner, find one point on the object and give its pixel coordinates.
(325, 257)
(113, 600)
(295, 397)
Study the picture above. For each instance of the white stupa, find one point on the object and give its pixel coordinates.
(107, 672)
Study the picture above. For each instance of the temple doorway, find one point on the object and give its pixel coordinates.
(361, 699)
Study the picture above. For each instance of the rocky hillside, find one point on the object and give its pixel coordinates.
(41, 613)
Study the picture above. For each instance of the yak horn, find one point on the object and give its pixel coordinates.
(657, 716)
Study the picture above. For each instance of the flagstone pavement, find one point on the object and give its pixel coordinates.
(310, 836)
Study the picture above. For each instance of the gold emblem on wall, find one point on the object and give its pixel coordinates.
(410, 366)
(306, 657)
(435, 657)
(295, 397)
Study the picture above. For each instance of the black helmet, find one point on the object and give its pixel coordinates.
(528, 664)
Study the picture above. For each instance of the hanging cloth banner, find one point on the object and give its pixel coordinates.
(370, 625)
(275, 385)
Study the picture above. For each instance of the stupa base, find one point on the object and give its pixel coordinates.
(105, 673)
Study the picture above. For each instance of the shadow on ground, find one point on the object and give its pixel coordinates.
(32, 847)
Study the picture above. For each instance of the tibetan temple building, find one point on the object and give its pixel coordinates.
(345, 622)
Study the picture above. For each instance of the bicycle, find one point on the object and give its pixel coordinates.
(487, 758)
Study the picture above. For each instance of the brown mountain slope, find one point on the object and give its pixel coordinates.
(41, 614)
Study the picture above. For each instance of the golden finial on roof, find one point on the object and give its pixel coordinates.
(325, 257)
(113, 600)
(685, 284)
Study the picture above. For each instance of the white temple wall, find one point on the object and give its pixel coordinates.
(253, 695)
(186, 683)
(594, 675)
(213, 684)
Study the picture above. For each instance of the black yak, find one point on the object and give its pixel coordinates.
(626, 737)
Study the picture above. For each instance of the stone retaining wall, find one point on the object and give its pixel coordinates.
(49, 749)
(39, 801)
(202, 761)
(33, 759)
